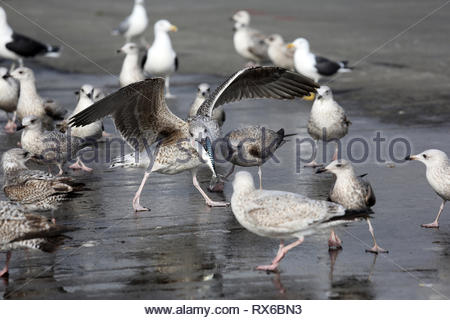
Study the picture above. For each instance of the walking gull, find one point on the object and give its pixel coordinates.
(17, 47)
(327, 121)
(203, 92)
(248, 42)
(9, 94)
(282, 215)
(34, 189)
(352, 192)
(131, 70)
(438, 176)
(279, 53)
(135, 24)
(160, 59)
(141, 115)
(314, 66)
(21, 229)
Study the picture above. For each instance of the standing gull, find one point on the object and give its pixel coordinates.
(141, 115)
(313, 66)
(279, 53)
(248, 42)
(135, 24)
(282, 215)
(327, 121)
(21, 229)
(160, 59)
(9, 94)
(354, 193)
(34, 189)
(31, 104)
(18, 47)
(438, 176)
(131, 71)
(203, 92)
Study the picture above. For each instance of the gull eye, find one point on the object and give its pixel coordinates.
(424, 156)
(338, 165)
(20, 72)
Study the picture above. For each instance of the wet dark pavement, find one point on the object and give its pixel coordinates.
(184, 250)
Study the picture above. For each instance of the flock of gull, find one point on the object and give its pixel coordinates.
(159, 138)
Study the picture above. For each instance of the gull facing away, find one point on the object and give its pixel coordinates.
(49, 147)
(31, 104)
(353, 193)
(282, 215)
(279, 53)
(135, 24)
(160, 59)
(17, 47)
(438, 176)
(21, 229)
(161, 139)
(203, 92)
(131, 71)
(327, 122)
(248, 43)
(314, 66)
(9, 95)
(35, 190)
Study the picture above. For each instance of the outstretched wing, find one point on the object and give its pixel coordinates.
(140, 113)
(259, 82)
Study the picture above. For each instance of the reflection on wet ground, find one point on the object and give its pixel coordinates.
(184, 250)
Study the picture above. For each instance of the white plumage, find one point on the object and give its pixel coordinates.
(135, 24)
(131, 71)
(9, 95)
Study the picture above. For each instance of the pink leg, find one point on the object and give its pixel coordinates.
(375, 249)
(209, 202)
(280, 255)
(136, 200)
(435, 223)
(10, 127)
(76, 165)
(334, 243)
(61, 171)
(106, 134)
(313, 163)
(4, 271)
(336, 151)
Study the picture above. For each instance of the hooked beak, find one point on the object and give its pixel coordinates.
(173, 28)
(77, 92)
(6, 76)
(89, 95)
(321, 170)
(20, 127)
(118, 51)
(290, 45)
(409, 158)
(319, 97)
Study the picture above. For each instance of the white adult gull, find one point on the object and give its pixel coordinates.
(314, 66)
(160, 59)
(9, 95)
(203, 92)
(135, 24)
(17, 47)
(282, 215)
(142, 117)
(438, 176)
(131, 70)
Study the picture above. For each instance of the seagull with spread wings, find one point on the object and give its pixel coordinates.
(165, 143)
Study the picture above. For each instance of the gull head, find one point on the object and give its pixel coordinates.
(98, 94)
(85, 91)
(431, 158)
(30, 123)
(242, 17)
(23, 74)
(300, 44)
(274, 39)
(203, 90)
(165, 26)
(243, 182)
(15, 159)
(337, 167)
(129, 48)
(324, 93)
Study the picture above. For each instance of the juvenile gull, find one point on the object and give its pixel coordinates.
(438, 176)
(21, 229)
(282, 215)
(31, 104)
(50, 147)
(327, 121)
(313, 66)
(135, 24)
(279, 53)
(354, 193)
(141, 115)
(17, 47)
(131, 70)
(203, 92)
(248, 42)
(160, 59)
(9, 94)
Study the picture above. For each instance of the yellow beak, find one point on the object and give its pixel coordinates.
(290, 46)
(311, 97)
(173, 28)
